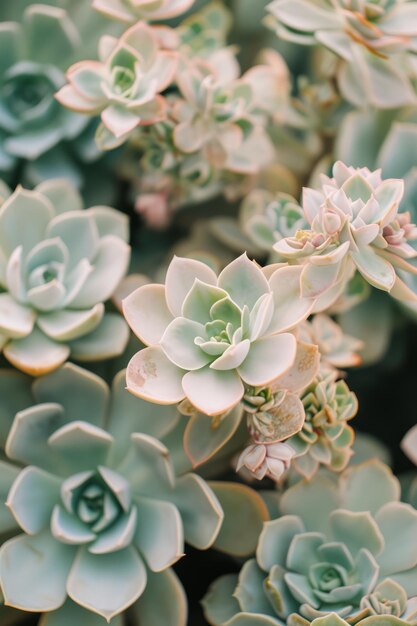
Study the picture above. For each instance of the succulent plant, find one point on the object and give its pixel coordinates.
(381, 619)
(337, 548)
(204, 32)
(409, 444)
(337, 349)
(353, 218)
(374, 41)
(31, 71)
(271, 460)
(131, 11)
(267, 218)
(58, 265)
(325, 438)
(210, 336)
(124, 86)
(92, 501)
(220, 119)
(388, 143)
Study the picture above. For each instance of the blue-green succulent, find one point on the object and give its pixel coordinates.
(333, 550)
(58, 265)
(34, 55)
(93, 499)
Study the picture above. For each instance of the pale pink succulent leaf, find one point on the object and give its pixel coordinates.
(70, 324)
(376, 270)
(244, 281)
(180, 278)
(151, 376)
(178, 344)
(147, 313)
(213, 392)
(268, 359)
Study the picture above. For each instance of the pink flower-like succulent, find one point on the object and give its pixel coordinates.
(354, 225)
(124, 86)
(209, 338)
(263, 460)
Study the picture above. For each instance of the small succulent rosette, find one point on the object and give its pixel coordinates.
(373, 43)
(338, 350)
(354, 225)
(346, 547)
(32, 69)
(267, 218)
(325, 438)
(100, 510)
(124, 86)
(130, 11)
(211, 337)
(222, 120)
(58, 265)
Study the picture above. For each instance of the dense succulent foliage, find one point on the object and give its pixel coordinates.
(261, 160)
(334, 548)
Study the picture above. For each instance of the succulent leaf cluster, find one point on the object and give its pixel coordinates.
(375, 42)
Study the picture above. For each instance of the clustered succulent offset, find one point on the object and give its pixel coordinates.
(354, 225)
(246, 327)
(375, 41)
(335, 549)
(58, 265)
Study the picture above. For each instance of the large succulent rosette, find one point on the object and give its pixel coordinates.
(375, 42)
(354, 225)
(58, 264)
(100, 511)
(336, 549)
(209, 337)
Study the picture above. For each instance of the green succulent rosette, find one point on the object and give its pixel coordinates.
(342, 547)
(34, 56)
(326, 438)
(94, 497)
(58, 265)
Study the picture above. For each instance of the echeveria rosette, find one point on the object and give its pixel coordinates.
(58, 265)
(329, 552)
(337, 349)
(325, 438)
(100, 510)
(221, 121)
(210, 336)
(31, 71)
(124, 86)
(388, 140)
(376, 44)
(353, 222)
(267, 218)
(131, 11)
